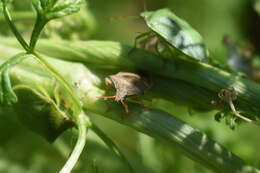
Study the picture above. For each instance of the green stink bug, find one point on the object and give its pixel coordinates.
(177, 33)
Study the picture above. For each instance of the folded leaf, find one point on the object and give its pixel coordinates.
(39, 114)
(7, 95)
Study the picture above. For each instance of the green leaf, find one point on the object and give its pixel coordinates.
(39, 114)
(65, 8)
(48, 10)
(218, 116)
(44, 3)
(177, 32)
(37, 5)
(52, 9)
(7, 95)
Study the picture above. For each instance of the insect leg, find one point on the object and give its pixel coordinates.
(139, 37)
(125, 106)
(107, 97)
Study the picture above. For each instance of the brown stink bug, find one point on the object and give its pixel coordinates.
(126, 84)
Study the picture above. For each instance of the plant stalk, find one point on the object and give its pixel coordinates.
(153, 122)
(13, 28)
(81, 141)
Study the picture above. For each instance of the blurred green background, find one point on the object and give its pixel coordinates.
(23, 151)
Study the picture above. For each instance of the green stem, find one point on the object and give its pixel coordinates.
(20, 16)
(39, 25)
(14, 29)
(178, 134)
(82, 135)
(63, 82)
(14, 60)
(113, 55)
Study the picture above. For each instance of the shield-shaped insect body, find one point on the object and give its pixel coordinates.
(127, 84)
